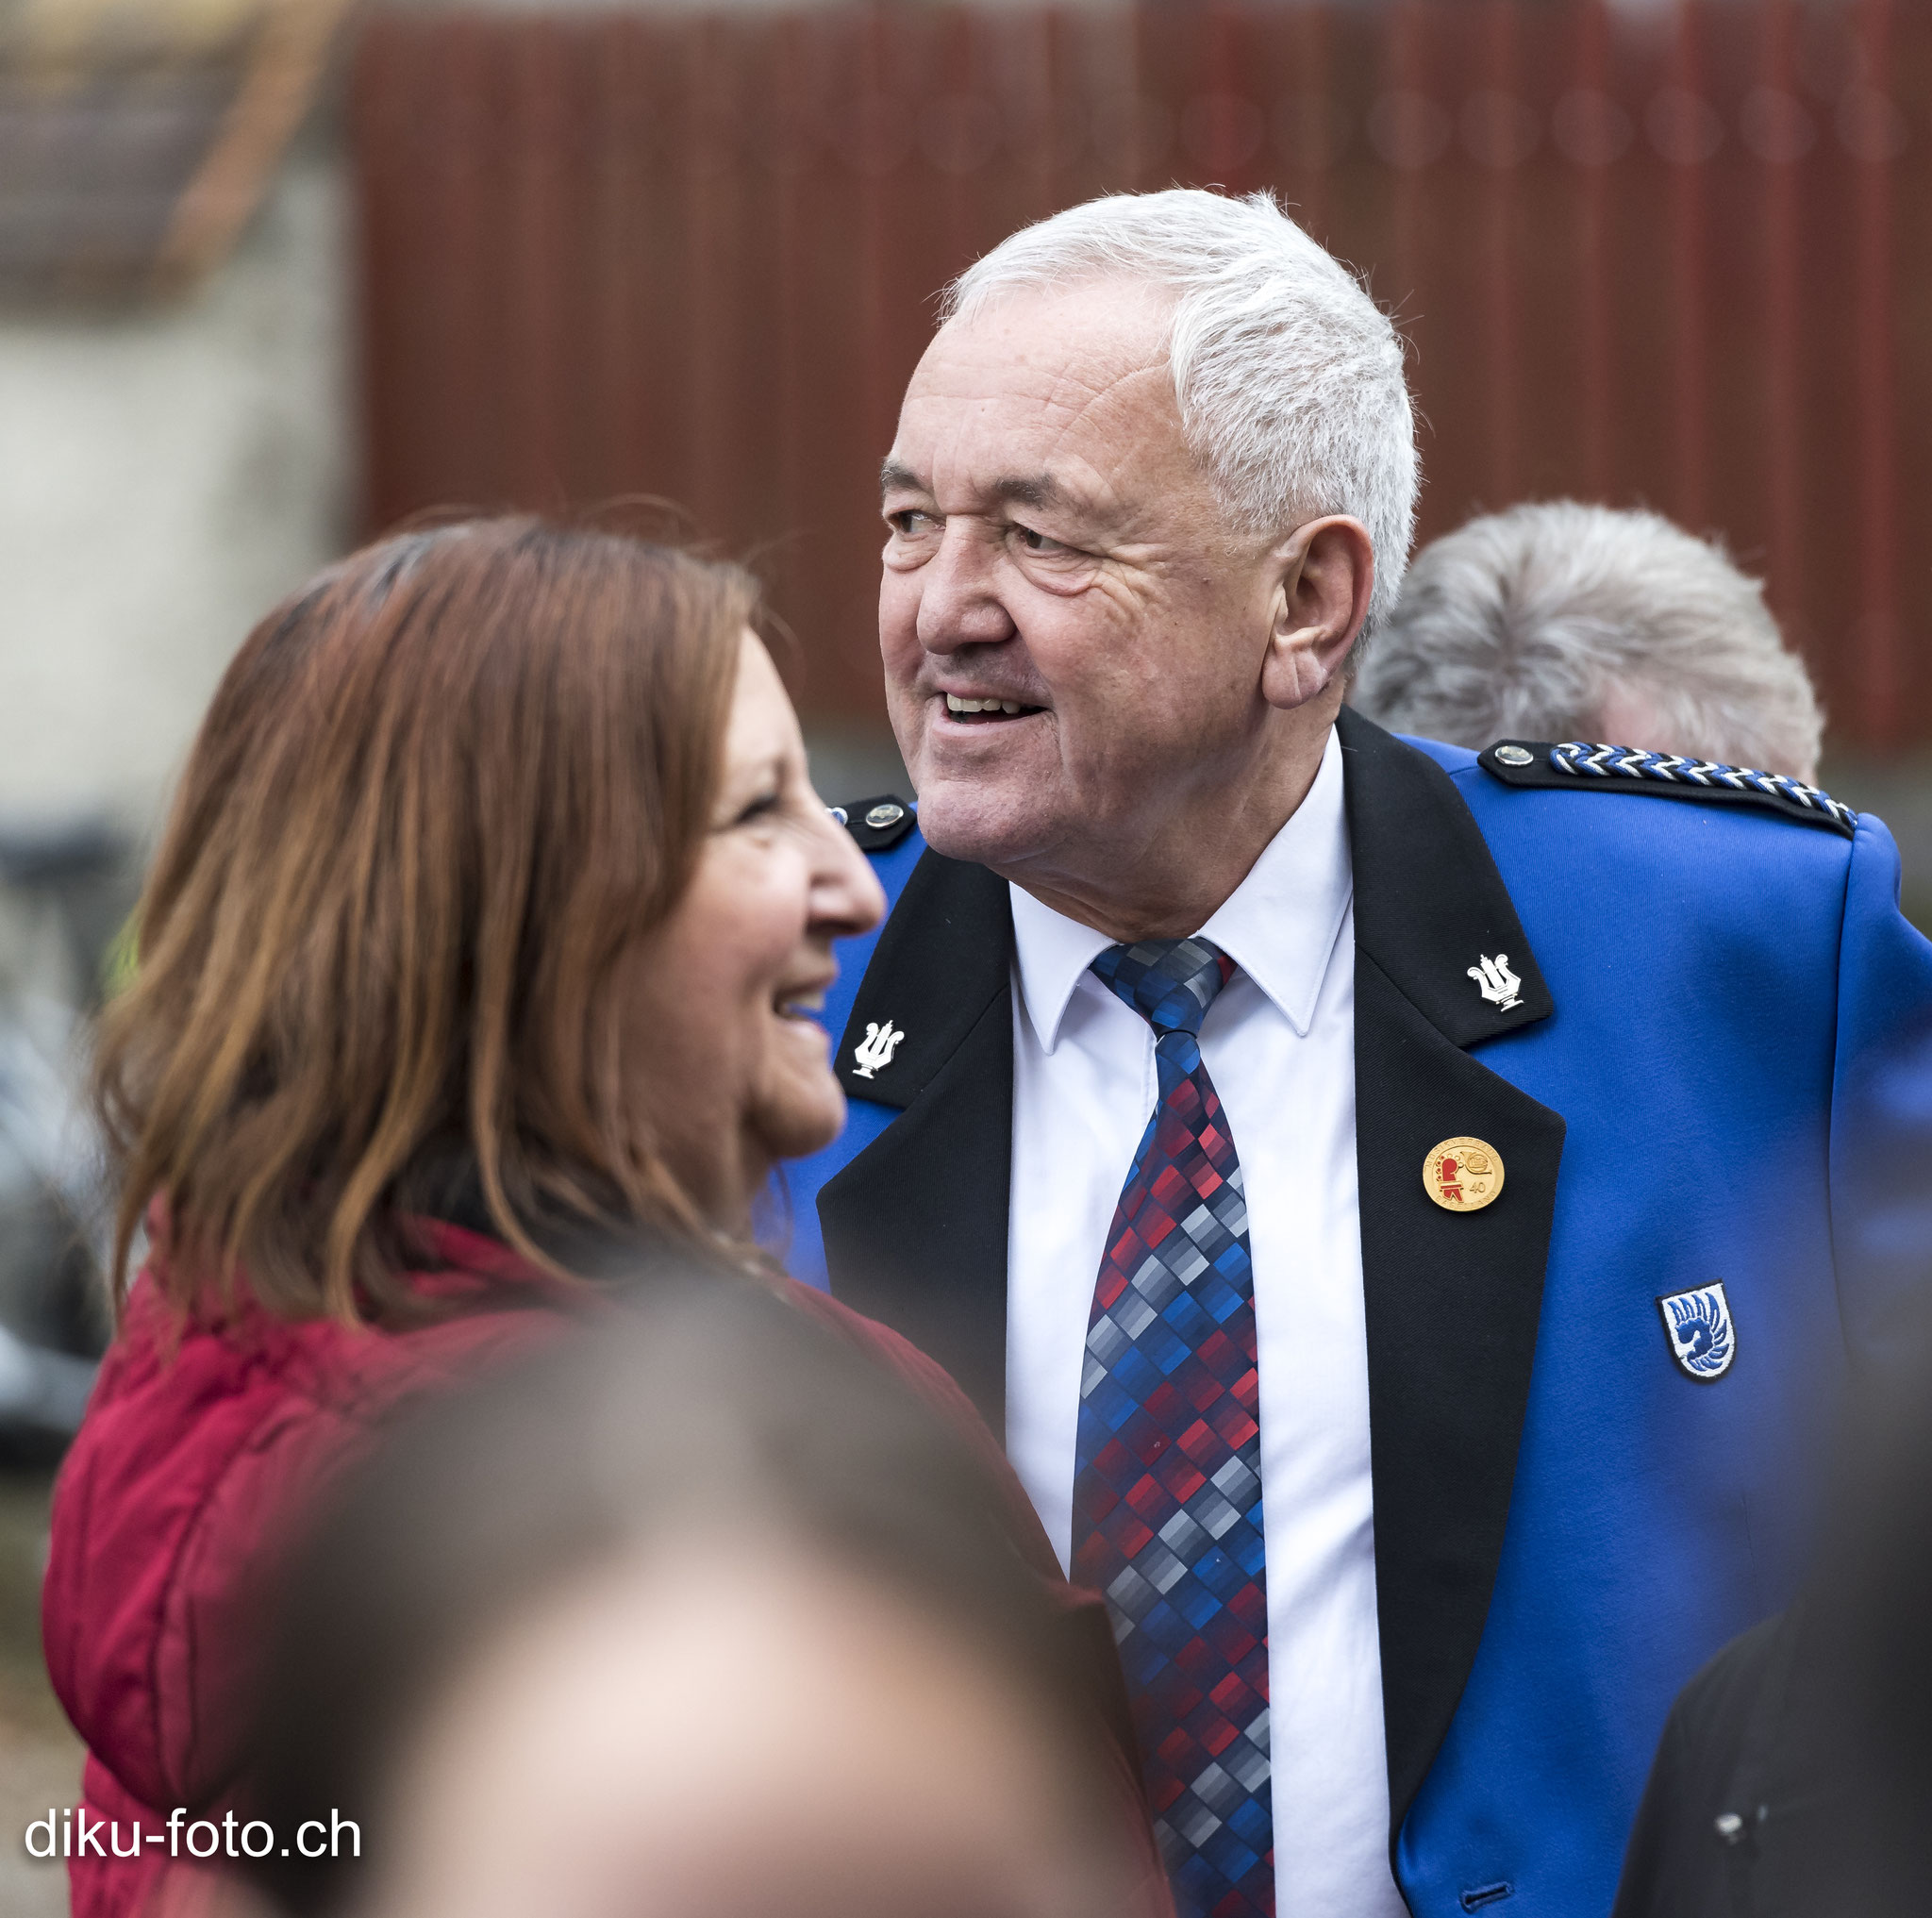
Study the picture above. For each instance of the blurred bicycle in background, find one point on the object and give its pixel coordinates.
(63, 895)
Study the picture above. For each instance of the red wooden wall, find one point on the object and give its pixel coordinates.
(1676, 255)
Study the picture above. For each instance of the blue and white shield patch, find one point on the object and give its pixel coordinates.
(1698, 1324)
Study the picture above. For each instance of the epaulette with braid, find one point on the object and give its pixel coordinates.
(1666, 776)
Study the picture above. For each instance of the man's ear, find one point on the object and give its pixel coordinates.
(1324, 574)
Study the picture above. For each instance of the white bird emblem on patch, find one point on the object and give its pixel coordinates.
(1703, 1336)
(1496, 982)
(877, 1048)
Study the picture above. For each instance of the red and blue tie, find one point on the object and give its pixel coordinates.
(1167, 1476)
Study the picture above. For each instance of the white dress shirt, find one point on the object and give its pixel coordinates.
(1279, 1044)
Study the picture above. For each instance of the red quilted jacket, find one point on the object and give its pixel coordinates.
(201, 1446)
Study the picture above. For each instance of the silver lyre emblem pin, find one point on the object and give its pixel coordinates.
(1497, 983)
(877, 1048)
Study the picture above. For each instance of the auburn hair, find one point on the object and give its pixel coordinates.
(440, 794)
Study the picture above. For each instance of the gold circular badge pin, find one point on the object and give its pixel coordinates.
(1462, 1175)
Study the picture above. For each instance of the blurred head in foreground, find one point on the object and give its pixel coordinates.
(496, 864)
(1566, 622)
(705, 1618)
(1795, 1770)
(1864, 1718)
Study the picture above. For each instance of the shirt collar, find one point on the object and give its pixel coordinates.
(1279, 924)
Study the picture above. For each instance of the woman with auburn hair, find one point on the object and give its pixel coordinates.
(410, 930)
(477, 962)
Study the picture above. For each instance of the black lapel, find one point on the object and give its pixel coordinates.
(1452, 1298)
(915, 1226)
(1429, 902)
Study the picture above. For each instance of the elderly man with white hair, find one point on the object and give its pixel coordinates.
(1402, 1207)
(1561, 620)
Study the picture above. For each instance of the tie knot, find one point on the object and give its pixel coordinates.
(1170, 982)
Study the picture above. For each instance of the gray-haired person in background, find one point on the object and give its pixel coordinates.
(1561, 620)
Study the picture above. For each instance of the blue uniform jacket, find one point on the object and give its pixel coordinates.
(1713, 1071)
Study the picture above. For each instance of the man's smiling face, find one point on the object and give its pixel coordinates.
(1055, 549)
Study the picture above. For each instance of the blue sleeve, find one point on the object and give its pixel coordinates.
(787, 1216)
(1881, 1118)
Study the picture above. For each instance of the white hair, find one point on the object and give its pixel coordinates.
(1521, 623)
(1289, 377)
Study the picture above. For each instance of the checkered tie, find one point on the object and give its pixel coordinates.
(1167, 1484)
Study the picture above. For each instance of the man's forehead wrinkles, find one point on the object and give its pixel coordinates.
(994, 367)
(1079, 398)
(1083, 427)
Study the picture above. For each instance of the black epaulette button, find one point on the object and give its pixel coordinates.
(876, 825)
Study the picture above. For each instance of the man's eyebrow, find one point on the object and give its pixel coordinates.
(1038, 492)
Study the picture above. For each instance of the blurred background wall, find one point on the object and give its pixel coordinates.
(165, 473)
(1659, 253)
(275, 273)
(177, 411)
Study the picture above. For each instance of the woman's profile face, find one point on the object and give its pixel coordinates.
(736, 1072)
